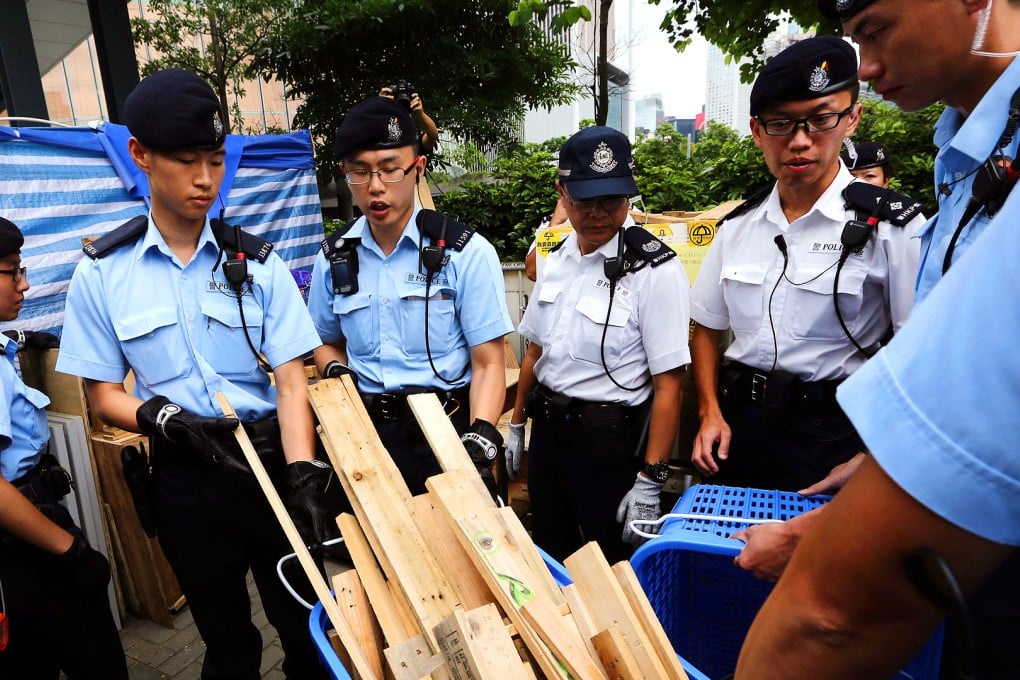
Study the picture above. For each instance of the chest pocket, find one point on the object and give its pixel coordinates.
(812, 314)
(356, 323)
(225, 347)
(442, 318)
(154, 346)
(586, 335)
(744, 293)
(40, 433)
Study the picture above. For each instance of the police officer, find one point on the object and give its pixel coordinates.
(601, 378)
(155, 297)
(868, 161)
(409, 300)
(810, 275)
(54, 585)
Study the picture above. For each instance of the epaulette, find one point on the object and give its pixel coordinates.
(253, 246)
(751, 201)
(559, 244)
(642, 245)
(110, 241)
(337, 243)
(436, 225)
(897, 209)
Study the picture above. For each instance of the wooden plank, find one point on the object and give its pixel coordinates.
(475, 644)
(356, 609)
(544, 581)
(382, 500)
(373, 581)
(498, 558)
(615, 655)
(414, 659)
(609, 608)
(440, 434)
(359, 664)
(581, 616)
(650, 623)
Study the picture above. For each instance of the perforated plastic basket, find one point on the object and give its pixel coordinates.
(705, 603)
(319, 623)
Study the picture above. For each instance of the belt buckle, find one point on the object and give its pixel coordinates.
(758, 383)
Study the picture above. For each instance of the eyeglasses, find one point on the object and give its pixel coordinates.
(607, 203)
(820, 122)
(16, 273)
(360, 176)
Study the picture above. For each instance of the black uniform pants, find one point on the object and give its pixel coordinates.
(214, 525)
(53, 626)
(580, 466)
(786, 447)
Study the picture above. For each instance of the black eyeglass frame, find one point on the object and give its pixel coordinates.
(348, 174)
(805, 122)
(17, 273)
(593, 204)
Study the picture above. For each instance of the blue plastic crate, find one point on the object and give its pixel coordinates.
(319, 623)
(705, 603)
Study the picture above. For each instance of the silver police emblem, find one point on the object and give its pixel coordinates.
(651, 246)
(393, 131)
(603, 160)
(819, 78)
(217, 124)
(843, 5)
(880, 155)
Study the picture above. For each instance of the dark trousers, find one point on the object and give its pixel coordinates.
(54, 627)
(405, 442)
(578, 472)
(785, 448)
(214, 525)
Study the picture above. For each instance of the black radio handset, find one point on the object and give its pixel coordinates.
(432, 254)
(613, 266)
(235, 269)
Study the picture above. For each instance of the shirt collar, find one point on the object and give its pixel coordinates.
(154, 239)
(411, 233)
(830, 204)
(10, 348)
(607, 249)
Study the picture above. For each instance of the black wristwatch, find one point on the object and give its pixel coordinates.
(657, 472)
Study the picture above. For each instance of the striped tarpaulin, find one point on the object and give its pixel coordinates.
(62, 185)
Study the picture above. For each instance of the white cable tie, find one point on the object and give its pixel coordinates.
(693, 516)
(286, 584)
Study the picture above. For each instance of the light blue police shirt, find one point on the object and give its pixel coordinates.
(179, 327)
(938, 407)
(964, 145)
(384, 322)
(23, 429)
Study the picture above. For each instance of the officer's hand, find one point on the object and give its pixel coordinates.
(33, 339)
(204, 436)
(642, 503)
(714, 432)
(514, 449)
(87, 570)
(307, 483)
(837, 477)
(335, 369)
(768, 549)
(482, 441)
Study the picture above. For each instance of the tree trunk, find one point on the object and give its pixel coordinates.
(219, 75)
(602, 68)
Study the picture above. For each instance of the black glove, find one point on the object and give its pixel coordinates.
(335, 369)
(87, 570)
(307, 485)
(204, 436)
(483, 442)
(33, 339)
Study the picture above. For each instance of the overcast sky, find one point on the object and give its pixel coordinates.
(657, 67)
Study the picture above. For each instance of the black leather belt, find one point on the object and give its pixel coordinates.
(393, 405)
(543, 403)
(743, 383)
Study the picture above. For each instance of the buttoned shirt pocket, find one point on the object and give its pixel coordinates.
(743, 290)
(812, 313)
(226, 349)
(154, 345)
(586, 336)
(442, 318)
(355, 314)
(40, 432)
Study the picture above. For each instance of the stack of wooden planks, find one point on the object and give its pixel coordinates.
(448, 585)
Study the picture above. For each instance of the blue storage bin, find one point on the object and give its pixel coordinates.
(705, 603)
(319, 623)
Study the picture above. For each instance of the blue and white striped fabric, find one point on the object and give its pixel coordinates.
(60, 185)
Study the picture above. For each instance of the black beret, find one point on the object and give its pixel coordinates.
(842, 9)
(11, 238)
(807, 69)
(595, 162)
(175, 109)
(864, 155)
(375, 123)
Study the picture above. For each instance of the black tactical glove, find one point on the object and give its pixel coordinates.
(204, 436)
(307, 485)
(87, 570)
(335, 369)
(33, 339)
(483, 441)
